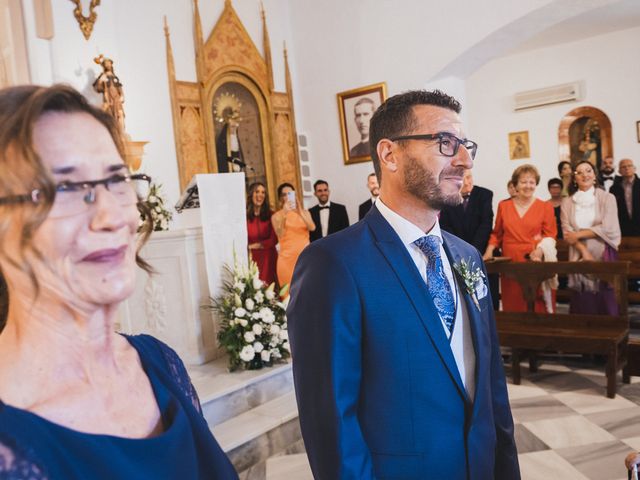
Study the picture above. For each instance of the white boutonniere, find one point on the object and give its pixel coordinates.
(473, 279)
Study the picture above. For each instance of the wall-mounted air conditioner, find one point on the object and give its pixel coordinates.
(568, 92)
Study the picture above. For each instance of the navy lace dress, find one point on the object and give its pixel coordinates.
(32, 448)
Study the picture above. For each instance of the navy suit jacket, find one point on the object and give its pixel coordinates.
(474, 224)
(364, 208)
(378, 390)
(629, 224)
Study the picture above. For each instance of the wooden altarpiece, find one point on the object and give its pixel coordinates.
(230, 56)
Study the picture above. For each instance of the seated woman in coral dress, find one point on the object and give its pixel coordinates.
(292, 225)
(590, 223)
(262, 236)
(525, 227)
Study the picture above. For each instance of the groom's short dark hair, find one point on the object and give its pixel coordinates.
(395, 117)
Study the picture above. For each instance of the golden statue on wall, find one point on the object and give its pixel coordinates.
(110, 87)
(108, 84)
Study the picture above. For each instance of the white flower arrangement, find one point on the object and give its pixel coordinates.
(159, 214)
(253, 330)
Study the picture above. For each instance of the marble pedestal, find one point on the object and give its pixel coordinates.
(168, 304)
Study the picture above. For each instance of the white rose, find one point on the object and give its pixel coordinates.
(284, 335)
(270, 294)
(275, 341)
(249, 304)
(258, 347)
(243, 322)
(249, 337)
(286, 346)
(267, 315)
(257, 283)
(265, 355)
(255, 315)
(240, 312)
(257, 329)
(274, 330)
(259, 297)
(247, 353)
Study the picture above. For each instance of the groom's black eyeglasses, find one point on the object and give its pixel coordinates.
(447, 142)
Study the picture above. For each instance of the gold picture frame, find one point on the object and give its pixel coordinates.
(355, 109)
(638, 130)
(519, 147)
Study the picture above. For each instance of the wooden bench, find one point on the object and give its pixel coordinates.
(629, 251)
(529, 332)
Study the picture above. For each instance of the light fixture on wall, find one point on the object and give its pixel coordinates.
(86, 23)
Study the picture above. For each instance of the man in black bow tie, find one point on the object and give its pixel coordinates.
(607, 173)
(329, 217)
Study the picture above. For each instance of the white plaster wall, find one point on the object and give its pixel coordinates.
(131, 33)
(342, 45)
(610, 73)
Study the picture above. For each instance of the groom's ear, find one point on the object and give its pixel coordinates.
(388, 155)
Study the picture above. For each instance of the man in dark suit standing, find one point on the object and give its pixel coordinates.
(626, 189)
(397, 366)
(472, 220)
(374, 189)
(607, 176)
(329, 217)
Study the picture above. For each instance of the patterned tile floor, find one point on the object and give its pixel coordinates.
(566, 428)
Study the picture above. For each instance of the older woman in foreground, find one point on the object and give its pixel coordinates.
(78, 400)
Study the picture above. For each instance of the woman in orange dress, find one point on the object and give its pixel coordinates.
(292, 224)
(522, 223)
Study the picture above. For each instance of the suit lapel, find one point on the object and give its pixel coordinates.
(475, 321)
(402, 264)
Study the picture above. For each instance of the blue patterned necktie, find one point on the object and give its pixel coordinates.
(437, 283)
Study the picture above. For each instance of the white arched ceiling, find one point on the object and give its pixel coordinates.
(556, 22)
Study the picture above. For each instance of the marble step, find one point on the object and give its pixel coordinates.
(252, 437)
(226, 395)
(289, 467)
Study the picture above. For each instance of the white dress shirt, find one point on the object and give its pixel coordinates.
(324, 218)
(460, 340)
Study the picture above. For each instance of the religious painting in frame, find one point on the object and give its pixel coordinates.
(356, 108)
(519, 145)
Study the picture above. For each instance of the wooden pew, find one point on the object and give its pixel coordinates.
(630, 251)
(534, 332)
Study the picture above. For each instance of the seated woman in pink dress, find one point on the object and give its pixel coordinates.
(589, 219)
(262, 236)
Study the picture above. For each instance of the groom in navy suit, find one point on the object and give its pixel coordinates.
(396, 360)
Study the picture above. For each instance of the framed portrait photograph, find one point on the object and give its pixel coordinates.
(356, 108)
(519, 145)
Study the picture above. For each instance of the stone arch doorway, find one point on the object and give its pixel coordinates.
(584, 133)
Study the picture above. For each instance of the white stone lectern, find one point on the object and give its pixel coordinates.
(189, 266)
